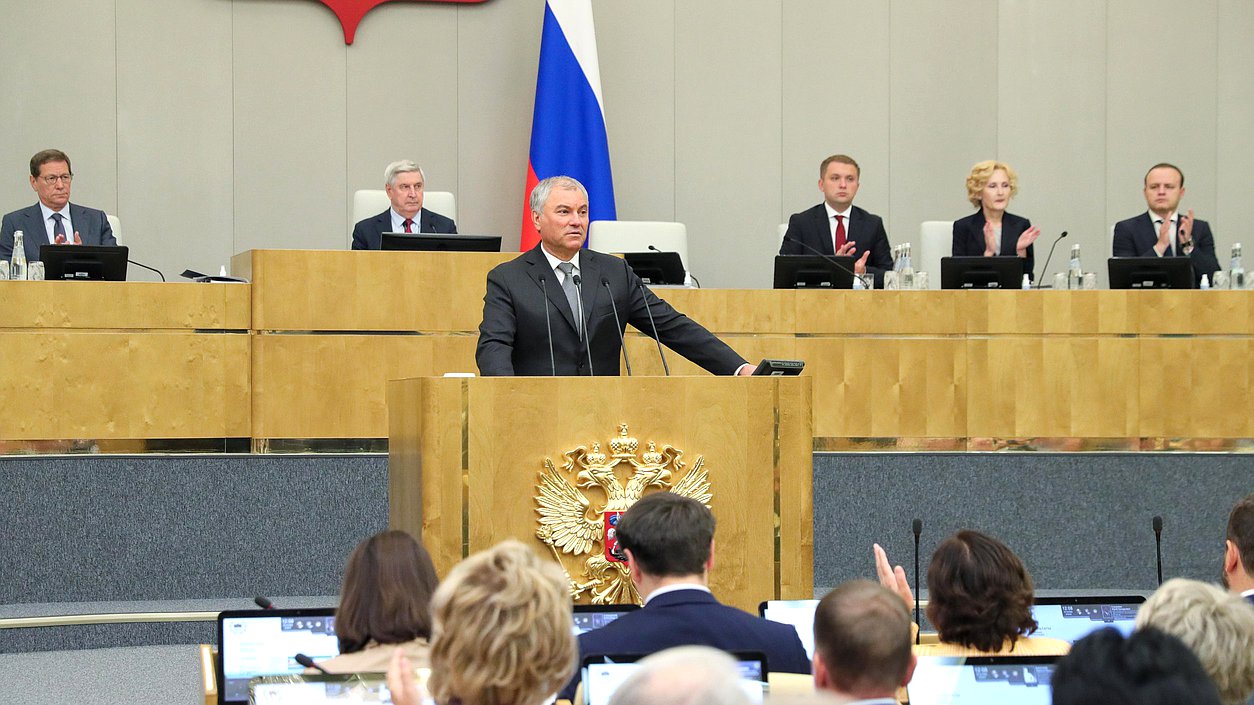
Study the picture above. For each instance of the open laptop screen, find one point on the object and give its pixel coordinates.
(1073, 618)
(797, 613)
(994, 680)
(345, 689)
(603, 674)
(265, 643)
(589, 617)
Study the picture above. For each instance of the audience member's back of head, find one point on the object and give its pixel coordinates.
(502, 630)
(668, 534)
(386, 597)
(1147, 668)
(1216, 625)
(979, 592)
(684, 675)
(862, 640)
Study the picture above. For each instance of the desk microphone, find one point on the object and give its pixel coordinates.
(263, 602)
(618, 326)
(309, 663)
(548, 324)
(649, 309)
(1158, 546)
(140, 264)
(583, 324)
(686, 272)
(916, 527)
(868, 280)
(1045, 269)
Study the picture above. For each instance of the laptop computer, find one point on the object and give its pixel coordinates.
(986, 680)
(255, 643)
(1073, 618)
(602, 674)
(799, 614)
(321, 689)
(589, 617)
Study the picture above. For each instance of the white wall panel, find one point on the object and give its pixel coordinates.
(1233, 219)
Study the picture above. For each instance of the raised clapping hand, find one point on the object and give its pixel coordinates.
(990, 239)
(846, 250)
(1026, 239)
(1184, 232)
(892, 578)
(401, 680)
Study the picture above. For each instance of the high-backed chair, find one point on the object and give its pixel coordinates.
(115, 224)
(368, 203)
(614, 236)
(936, 240)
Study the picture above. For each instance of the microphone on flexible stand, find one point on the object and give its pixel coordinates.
(868, 280)
(548, 324)
(583, 324)
(263, 602)
(141, 264)
(686, 271)
(309, 663)
(1045, 269)
(649, 309)
(618, 326)
(916, 527)
(1158, 546)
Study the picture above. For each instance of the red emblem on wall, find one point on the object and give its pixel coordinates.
(350, 12)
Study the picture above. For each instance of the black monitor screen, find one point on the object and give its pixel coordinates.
(1150, 272)
(813, 272)
(981, 272)
(425, 242)
(84, 262)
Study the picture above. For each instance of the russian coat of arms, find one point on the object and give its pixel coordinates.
(587, 545)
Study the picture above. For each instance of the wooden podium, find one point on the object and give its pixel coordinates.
(466, 457)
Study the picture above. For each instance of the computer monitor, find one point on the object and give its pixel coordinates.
(321, 689)
(813, 272)
(254, 643)
(986, 680)
(1150, 272)
(981, 272)
(589, 617)
(799, 614)
(84, 262)
(1073, 618)
(429, 242)
(654, 268)
(603, 673)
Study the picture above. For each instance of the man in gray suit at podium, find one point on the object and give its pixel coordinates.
(54, 220)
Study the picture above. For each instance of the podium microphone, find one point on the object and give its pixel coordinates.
(548, 324)
(618, 326)
(263, 602)
(141, 264)
(649, 309)
(868, 280)
(916, 527)
(583, 324)
(1158, 546)
(309, 663)
(1045, 269)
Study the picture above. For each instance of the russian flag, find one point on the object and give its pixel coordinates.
(568, 126)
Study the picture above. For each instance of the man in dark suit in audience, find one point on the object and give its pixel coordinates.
(54, 220)
(404, 183)
(836, 226)
(862, 644)
(668, 540)
(1239, 549)
(1163, 231)
(531, 310)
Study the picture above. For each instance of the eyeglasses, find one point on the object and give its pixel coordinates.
(53, 178)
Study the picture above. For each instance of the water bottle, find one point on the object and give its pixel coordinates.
(1075, 274)
(17, 265)
(897, 258)
(907, 269)
(1236, 273)
(1027, 283)
(1205, 283)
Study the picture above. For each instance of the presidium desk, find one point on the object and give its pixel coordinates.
(300, 358)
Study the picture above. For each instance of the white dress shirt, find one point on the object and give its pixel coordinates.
(398, 221)
(1175, 224)
(49, 223)
(831, 221)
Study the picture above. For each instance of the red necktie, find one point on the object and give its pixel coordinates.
(408, 223)
(840, 232)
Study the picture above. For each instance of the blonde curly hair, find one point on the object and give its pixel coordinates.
(502, 632)
(980, 175)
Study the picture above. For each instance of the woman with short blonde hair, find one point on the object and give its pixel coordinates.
(991, 231)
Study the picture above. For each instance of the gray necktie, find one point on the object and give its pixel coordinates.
(572, 293)
(58, 229)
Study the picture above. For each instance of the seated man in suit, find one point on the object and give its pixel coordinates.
(1239, 549)
(558, 309)
(1162, 231)
(403, 182)
(862, 644)
(836, 226)
(668, 541)
(54, 220)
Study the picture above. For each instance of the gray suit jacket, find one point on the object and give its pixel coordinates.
(91, 224)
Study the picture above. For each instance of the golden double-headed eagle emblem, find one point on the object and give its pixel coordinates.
(577, 538)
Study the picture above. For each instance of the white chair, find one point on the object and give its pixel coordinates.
(936, 240)
(115, 224)
(368, 203)
(783, 230)
(618, 236)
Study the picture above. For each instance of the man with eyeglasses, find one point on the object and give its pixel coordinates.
(54, 220)
(403, 182)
